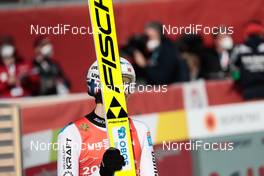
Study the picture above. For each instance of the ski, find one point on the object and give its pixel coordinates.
(117, 122)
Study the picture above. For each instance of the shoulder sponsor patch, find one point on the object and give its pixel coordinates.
(84, 127)
(149, 139)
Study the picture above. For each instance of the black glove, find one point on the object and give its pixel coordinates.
(112, 161)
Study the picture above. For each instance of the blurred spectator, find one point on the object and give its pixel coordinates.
(248, 59)
(203, 61)
(210, 60)
(17, 78)
(164, 65)
(223, 46)
(52, 78)
(190, 47)
(136, 42)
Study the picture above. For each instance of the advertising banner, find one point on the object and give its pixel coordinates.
(246, 158)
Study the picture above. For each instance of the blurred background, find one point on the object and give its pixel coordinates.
(215, 79)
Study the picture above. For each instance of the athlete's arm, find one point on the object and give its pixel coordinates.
(148, 161)
(69, 142)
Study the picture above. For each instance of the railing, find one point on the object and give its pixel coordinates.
(10, 147)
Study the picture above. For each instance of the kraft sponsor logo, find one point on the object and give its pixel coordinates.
(68, 157)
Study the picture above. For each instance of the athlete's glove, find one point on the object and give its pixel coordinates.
(112, 161)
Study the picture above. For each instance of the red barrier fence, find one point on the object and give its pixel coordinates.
(61, 112)
(77, 52)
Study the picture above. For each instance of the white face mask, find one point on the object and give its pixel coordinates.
(152, 44)
(46, 50)
(226, 43)
(7, 51)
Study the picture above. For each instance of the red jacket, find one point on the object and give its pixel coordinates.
(27, 80)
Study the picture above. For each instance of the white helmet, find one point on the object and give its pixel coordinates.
(93, 79)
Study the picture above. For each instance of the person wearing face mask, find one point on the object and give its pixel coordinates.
(164, 65)
(215, 57)
(248, 61)
(224, 45)
(17, 78)
(52, 78)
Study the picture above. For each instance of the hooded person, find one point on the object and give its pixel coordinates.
(248, 61)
